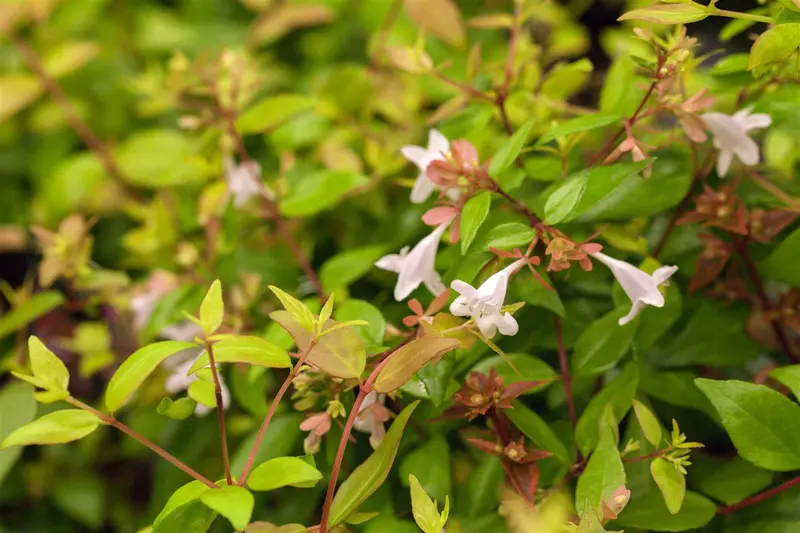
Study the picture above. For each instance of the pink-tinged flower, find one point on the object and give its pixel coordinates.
(641, 287)
(484, 304)
(371, 418)
(317, 425)
(438, 148)
(614, 504)
(731, 137)
(143, 302)
(244, 180)
(416, 266)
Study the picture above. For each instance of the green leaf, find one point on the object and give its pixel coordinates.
(536, 429)
(297, 309)
(780, 264)
(648, 512)
(320, 191)
(430, 464)
(180, 409)
(339, 353)
(83, 497)
(650, 425)
(668, 13)
(370, 474)
(760, 421)
(282, 437)
(714, 336)
(245, 349)
(425, 511)
(510, 150)
(473, 215)
(506, 237)
(194, 517)
(184, 495)
(671, 483)
(374, 331)
(57, 427)
(212, 309)
(233, 502)
(19, 408)
(410, 358)
(47, 367)
(343, 269)
(160, 158)
(774, 45)
(483, 487)
(586, 189)
(601, 345)
(538, 295)
(789, 376)
(273, 111)
(67, 57)
(136, 368)
(728, 65)
(203, 393)
(19, 317)
(729, 480)
(619, 394)
(283, 472)
(528, 368)
(578, 125)
(603, 475)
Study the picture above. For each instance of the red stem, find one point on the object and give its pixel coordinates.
(220, 413)
(640, 458)
(164, 454)
(758, 498)
(271, 412)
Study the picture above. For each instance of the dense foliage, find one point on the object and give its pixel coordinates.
(399, 265)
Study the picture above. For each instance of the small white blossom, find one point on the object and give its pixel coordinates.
(416, 266)
(731, 137)
(438, 147)
(484, 303)
(371, 417)
(244, 180)
(641, 287)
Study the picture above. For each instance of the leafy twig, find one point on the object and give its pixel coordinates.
(220, 413)
(758, 498)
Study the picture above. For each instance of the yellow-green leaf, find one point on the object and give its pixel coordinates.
(245, 349)
(408, 359)
(273, 111)
(17, 91)
(671, 483)
(425, 511)
(185, 494)
(297, 309)
(58, 427)
(282, 472)
(212, 309)
(69, 57)
(233, 502)
(137, 368)
(668, 13)
(339, 353)
(473, 215)
(775, 44)
(47, 367)
(650, 425)
(25, 313)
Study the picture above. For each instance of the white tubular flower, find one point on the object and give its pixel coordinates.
(484, 303)
(371, 417)
(244, 180)
(438, 146)
(641, 287)
(178, 380)
(731, 137)
(416, 266)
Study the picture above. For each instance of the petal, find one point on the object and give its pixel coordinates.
(759, 120)
(727, 131)
(434, 284)
(417, 155)
(663, 273)
(422, 189)
(453, 193)
(747, 151)
(506, 324)
(407, 282)
(724, 160)
(635, 309)
(391, 262)
(487, 325)
(460, 307)
(438, 144)
(463, 288)
(493, 290)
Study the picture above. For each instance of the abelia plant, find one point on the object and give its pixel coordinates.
(379, 259)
